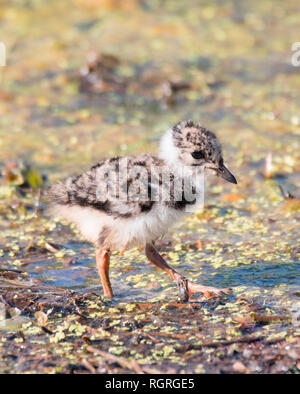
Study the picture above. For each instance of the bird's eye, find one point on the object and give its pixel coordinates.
(198, 155)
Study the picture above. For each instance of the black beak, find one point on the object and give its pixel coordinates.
(224, 173)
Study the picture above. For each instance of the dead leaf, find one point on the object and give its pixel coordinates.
(41, 318)
(232, 197)
(239, 367)
(199, 244)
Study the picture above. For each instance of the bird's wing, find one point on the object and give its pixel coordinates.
(121, 187)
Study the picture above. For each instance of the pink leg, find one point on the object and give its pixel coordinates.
(186, 287)
(102, 260)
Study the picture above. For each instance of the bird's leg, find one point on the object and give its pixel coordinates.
(102, 260)
(155, 258)
(186, 287)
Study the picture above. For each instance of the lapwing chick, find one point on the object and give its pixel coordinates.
(131, 201)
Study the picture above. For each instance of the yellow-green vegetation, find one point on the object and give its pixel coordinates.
(226, 64)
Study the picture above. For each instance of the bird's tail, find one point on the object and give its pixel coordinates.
(58, 193)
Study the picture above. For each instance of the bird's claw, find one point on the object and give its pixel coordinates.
(183, 290)
(187, 288)
(207, 291)
(214, 292)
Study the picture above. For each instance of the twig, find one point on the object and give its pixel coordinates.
(188, 347)
(50, 247)
(166, 335)
(29, 246)
(132, 365)
(286, 194)
(270, 318)
(4, 301)
(88, 365)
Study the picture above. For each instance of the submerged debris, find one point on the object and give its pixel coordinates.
(102, 74)
(137, 337)
(99, 75)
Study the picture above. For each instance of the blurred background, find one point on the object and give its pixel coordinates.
(227, 64)
(86, 79)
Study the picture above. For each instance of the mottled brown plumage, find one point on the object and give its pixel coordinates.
(121, 202)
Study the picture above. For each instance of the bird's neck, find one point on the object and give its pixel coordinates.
(169, 153)
(167, 150)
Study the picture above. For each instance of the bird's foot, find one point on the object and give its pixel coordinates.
(207, 291)
(183, 289)
(187, 288)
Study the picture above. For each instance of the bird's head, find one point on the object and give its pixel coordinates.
(189, 144)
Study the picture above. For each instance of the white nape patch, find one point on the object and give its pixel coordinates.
(124, 232)
(167, 150)
(170, 154)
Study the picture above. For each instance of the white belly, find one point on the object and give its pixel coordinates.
(147, 226)
(124, 232)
